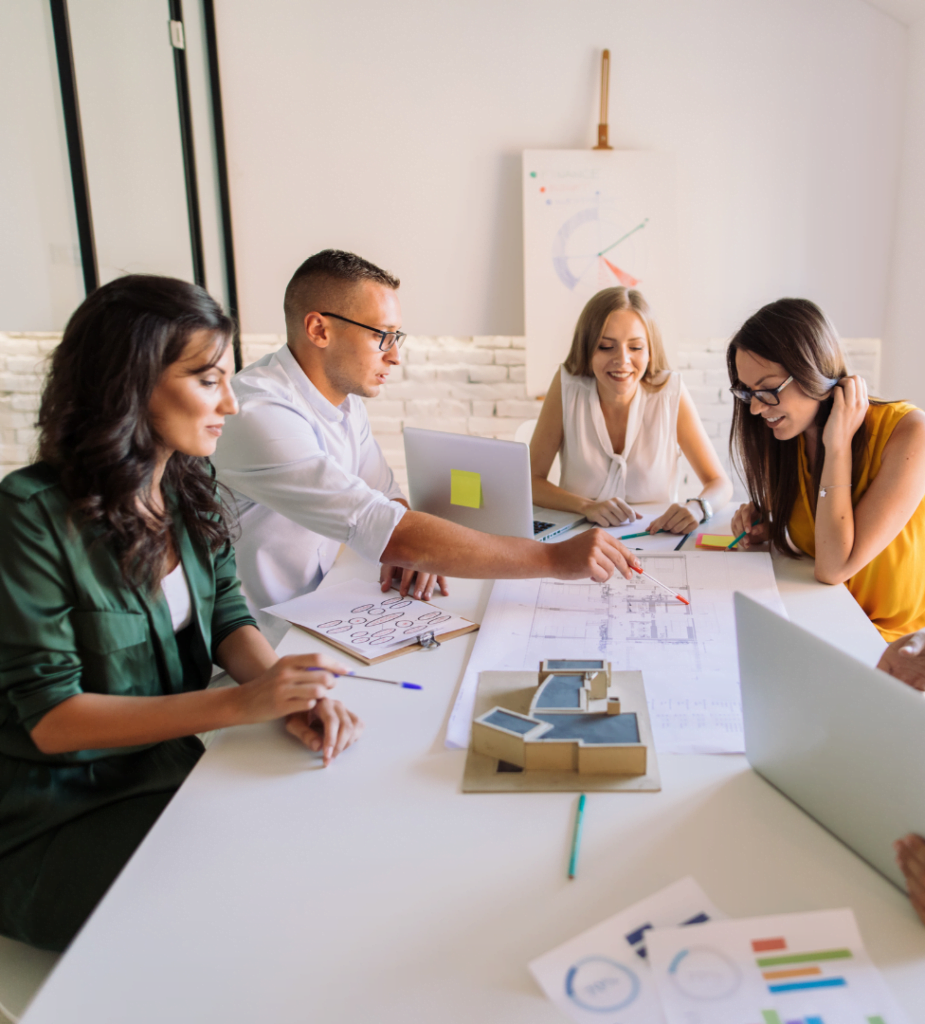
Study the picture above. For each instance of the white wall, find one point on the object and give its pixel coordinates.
(40, 276)
(395, 130)
(904, 347)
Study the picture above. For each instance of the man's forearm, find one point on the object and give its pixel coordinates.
(430, 544)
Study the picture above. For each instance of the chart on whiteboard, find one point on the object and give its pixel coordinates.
(687, 652)
(592, 220)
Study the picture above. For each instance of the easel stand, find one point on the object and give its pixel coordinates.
(605, 94)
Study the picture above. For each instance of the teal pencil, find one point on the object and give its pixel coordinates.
(729, 547)
(576, 837)
(645, 533)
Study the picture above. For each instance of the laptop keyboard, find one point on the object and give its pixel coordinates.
(539, 526)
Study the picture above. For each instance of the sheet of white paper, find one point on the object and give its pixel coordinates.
(602, 974)
(661, 542)
(776, 970)
(358, 615)
(687, 654)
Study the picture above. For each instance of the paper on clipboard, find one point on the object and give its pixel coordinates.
(358, 618)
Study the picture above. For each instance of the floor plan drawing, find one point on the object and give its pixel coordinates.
(687, 653)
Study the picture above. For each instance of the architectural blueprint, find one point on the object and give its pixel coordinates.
(687, 653)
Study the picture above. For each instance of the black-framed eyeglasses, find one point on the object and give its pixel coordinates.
(387, 339)
(767, 396)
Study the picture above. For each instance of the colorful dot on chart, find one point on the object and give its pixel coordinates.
(543, 189)
(549, 202)
(533, 174)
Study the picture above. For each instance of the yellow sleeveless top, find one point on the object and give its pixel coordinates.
(891, 587)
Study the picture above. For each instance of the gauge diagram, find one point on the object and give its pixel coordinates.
(581, 246)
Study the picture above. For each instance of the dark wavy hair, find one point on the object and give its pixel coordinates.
(94, 424)
(799, 336)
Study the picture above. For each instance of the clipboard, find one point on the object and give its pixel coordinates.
(357, 618)
(427, 642)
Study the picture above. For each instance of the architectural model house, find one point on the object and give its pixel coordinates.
(561, 731)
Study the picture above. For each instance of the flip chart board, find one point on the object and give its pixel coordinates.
(593, 220)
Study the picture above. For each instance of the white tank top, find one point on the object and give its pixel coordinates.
(646, 469)
(176, 591)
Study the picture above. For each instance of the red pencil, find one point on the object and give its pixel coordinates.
(641, 572)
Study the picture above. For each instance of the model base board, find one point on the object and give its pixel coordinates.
(506, 713)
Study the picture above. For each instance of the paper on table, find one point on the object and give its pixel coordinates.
(773, 969)
(604, 970)
(688, 655)
(465, 488)
(357, 615)
(656, 542)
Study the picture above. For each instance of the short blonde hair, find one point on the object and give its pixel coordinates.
(590, 327)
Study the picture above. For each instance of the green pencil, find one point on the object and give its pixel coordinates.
(645, 533)
(729, 547)
(576, 837)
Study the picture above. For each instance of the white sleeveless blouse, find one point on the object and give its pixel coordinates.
(646, 470)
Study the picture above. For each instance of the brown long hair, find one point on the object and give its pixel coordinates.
(590, 327)
(799, 336)
(94, 425)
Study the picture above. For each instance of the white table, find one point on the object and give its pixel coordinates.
(375, 891)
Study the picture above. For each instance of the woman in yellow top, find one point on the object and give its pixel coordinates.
(842, 476)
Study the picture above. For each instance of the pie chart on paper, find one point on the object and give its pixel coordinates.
(586, 248)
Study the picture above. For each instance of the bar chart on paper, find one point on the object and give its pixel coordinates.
(793, 969)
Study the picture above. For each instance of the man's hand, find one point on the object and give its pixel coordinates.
(329, 728)
(905, 659)
(419, 584)
(593, 554)
(910, 856)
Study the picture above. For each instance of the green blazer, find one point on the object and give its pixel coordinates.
(70, 624)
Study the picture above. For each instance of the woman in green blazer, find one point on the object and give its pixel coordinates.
(117, 594)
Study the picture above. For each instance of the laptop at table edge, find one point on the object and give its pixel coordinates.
(832, 734)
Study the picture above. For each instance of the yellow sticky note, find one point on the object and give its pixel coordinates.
(715, 540)
(465, 488)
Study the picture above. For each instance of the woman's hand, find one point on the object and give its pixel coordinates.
(675, 519)
(742, 521)
(849, 407)
(905, 659)
(295, 684)
(910, 856)
(328, 727)
(612, 512)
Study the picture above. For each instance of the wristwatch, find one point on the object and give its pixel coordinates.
(705, 507)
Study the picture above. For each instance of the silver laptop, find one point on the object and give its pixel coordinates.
(842, 740)
(478, 482)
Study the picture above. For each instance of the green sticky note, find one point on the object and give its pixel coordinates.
(465, 488)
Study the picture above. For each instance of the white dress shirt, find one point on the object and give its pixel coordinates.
(307, 477)
(647, 468)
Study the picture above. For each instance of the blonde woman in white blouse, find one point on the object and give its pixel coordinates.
(619, 418)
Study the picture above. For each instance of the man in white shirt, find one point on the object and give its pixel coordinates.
(308, 475)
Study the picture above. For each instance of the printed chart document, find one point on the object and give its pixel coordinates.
(603, 974)
(687, 653)
(787, 969)
(357, 617)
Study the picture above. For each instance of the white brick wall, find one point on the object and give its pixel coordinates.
(466, 385)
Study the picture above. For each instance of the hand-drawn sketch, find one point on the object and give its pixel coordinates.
(359, 617)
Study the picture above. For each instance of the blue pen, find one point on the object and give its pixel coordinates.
(369, 679)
